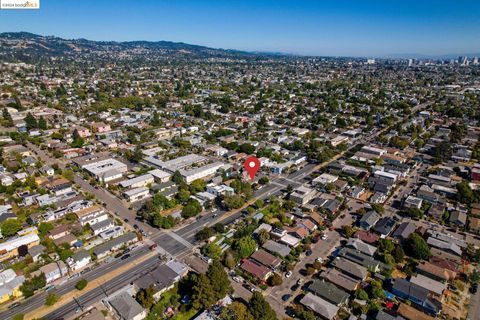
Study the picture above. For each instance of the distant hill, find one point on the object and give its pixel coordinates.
(29, 47)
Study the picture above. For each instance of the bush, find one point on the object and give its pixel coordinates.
(51, 299)
(81, 284)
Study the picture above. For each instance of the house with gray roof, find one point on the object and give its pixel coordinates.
(329, 292)
(350, 268)
(126, 307)
(277, 248)
(114, 244)
(368, 220)
(361, 246)
(320, 306)
(404, 230)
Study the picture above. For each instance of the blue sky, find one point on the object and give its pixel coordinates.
(334, 28)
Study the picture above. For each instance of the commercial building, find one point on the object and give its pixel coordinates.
(137, 182)
(136, 194)
(106, 170)
(9, 248)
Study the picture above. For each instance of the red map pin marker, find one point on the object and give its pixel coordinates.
(252, 165)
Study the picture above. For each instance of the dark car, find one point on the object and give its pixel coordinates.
(135, 226)
(126, 220)
(13, 305)
(285, 297)
(473, 288)
(126, 256)
(295, 287)
(308, 253)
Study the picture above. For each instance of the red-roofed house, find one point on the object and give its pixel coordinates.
(256, 269)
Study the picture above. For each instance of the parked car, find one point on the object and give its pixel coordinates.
(13, 305)
(308, 253)
(237, 279)
(126, 256)
(285, 297)
(288, 274)
(300, 281)
(153, 247)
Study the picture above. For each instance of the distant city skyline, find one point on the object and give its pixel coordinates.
(340, 28)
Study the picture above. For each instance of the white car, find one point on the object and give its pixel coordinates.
(288, 274)
(324, 237)
(319, 260)
(237, 279)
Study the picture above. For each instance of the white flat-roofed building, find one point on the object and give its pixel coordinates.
(106, 170)
(160, 176)
(137, 182)
(338, 140)
(136, 194)
(9, 248)
(324, 178)
(386, 175)
(220, 190)
(177, 163)
(373, 150)
(302, 195)
(201, 172)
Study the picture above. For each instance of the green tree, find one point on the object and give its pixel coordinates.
(263, 236)
(192, 208)
(8, 121)
(68, 174)
(177, 178)
(18, 316)
(44, 228)
(263, 180)
(275, 280)
(204, 234)
(245, 246)
(10, 227)
(417, 247)
(247, 148)
(236, 311)
(42, 123)
(51, 299)
(348, 231)
(203, 296)
(260, 308)
(233, 202)
(376, 290)
(198, 185)
(212, 250)
(398, 254)
(145, 297)
(465, 194)
(385, 245)
(361, 294)
(81, 284)
(78, 141)
(219, 279)
(30, 121)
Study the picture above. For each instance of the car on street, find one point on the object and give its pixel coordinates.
(135, 226)
(319, 259)
(285, 297)
(126, 256)
(308, 253)
(126, 220)
(153, 247)
(288, 274)
(300, 281)
(237, 279)
(13, 305)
